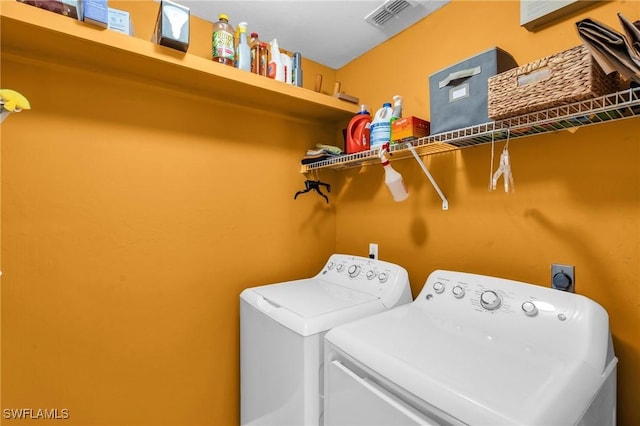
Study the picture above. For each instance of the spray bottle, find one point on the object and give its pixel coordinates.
(243, 52)
(392, 178)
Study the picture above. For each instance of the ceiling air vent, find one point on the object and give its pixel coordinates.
(387, 11)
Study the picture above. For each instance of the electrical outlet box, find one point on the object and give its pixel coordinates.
(563, 277)
(373, 250)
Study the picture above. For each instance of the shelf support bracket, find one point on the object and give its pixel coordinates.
(445, 203)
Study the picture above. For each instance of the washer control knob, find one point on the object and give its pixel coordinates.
(490, 300)
(354, 270)
(331, 265)
(458, 291)
(438, 287)
(383, 277)
(340, 267)
(370, 274)
(529, 309)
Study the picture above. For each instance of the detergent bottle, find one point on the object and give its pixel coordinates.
(358, 132)
(381, 125)
(392, 178)
(276, 66)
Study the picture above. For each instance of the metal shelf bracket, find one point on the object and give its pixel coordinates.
(445, 203)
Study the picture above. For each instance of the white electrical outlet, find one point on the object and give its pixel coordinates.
(373, 250)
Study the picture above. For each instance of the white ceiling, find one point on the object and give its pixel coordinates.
(330, 32)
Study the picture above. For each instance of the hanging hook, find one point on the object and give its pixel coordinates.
(314, 185)
(504, 168)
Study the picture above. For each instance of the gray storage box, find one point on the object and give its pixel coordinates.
(458, 95)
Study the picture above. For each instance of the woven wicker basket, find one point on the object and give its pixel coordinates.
(569, 76)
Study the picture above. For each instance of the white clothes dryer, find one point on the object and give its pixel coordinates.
(282, 328)
(474, 350)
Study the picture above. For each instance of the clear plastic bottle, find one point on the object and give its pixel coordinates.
(287, 63)
(222, 41)
(254, 45)
(264, 59)
(244, 51)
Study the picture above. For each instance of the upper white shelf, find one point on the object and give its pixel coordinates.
(616, 106)
(36, 34)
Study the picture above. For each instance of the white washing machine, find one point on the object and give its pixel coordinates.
(282, 328)
(478, 350)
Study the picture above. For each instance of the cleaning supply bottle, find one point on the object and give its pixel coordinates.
(392, 178)
(297, 70)
(222, 41)
(254, 45)
(397, 113)
(381, 125)
(288, 68)
(264, 59)
(358, 132)
(276, 67)
(244, 51)
(397, 108)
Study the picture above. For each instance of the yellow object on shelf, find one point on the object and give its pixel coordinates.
(13, 101)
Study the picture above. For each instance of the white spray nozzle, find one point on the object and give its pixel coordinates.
(397, 100)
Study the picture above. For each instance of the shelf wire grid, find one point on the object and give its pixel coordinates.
(612, 107)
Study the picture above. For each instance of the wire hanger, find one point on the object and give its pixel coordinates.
(504, 168)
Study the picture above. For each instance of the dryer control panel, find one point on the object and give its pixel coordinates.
(388, 281)
(503, 310)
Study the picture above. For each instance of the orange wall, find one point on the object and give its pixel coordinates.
(577, 198)
(130, 223)
(132, 218)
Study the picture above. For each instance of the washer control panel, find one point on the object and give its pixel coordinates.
(388, 281)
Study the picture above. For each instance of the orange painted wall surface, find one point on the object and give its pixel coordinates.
(131, 222)
(132, 218)
(577, 198)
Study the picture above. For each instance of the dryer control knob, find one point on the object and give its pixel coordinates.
(340, 267)
(458, 292)
(490, 300)
(529, 309)
(354, 270)
(438, 287)
(383, 277)
(331, 265)
(370, 274)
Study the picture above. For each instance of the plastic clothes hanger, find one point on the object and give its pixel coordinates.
(314, 185)
(503, 169)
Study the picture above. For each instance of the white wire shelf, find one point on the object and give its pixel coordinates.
(612, 107)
